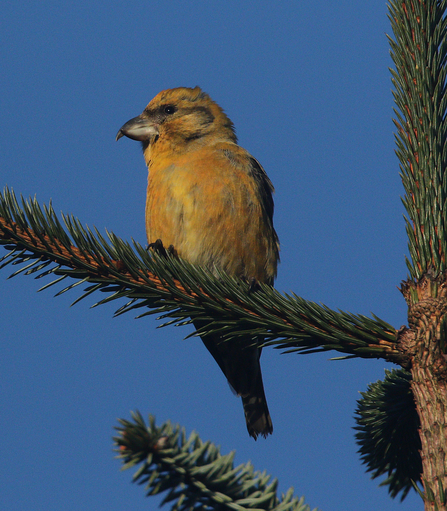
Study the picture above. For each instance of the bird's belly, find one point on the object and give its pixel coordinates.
(172, 214)
(208, 224)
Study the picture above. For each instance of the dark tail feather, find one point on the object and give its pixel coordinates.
(256, 411)
(241, 367)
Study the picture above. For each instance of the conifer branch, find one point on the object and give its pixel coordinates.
(178, 290)
(387, 425)
(193, 473)
(419, 52)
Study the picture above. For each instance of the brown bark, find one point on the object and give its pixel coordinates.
(425, 347)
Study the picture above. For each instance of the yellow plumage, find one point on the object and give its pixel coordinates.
(212, 201)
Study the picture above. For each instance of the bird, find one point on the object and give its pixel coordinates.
(211, 201)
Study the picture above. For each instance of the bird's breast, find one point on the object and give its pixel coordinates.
(210, 211)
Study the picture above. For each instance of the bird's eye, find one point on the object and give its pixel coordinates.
(169, 109)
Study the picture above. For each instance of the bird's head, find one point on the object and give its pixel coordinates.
(179, 116)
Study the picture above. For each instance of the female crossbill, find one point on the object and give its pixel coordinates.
(212, 201)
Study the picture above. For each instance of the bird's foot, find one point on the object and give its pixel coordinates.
(159, 248)
(253, 284)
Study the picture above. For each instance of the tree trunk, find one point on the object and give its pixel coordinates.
(425, 345)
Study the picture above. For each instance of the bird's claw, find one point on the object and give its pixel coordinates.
(159, 248)
(253, 284)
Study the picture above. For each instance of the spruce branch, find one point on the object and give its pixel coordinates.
(419, 52)
(178, 290)
(387, 425)
(193, 473)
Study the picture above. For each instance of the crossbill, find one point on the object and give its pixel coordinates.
(212, 201)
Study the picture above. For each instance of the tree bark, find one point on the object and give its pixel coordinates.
(425, 346)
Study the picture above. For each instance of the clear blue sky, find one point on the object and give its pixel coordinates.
(308, 88)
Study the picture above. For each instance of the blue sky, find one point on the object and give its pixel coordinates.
(308, 88)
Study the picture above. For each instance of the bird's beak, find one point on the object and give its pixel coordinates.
(139, 128)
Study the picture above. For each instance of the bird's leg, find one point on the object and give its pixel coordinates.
(252, 283)
(172, 251)
(158, 247)
(254, 286)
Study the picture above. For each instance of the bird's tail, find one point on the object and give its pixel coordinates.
(256, 411)
(243, 371)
